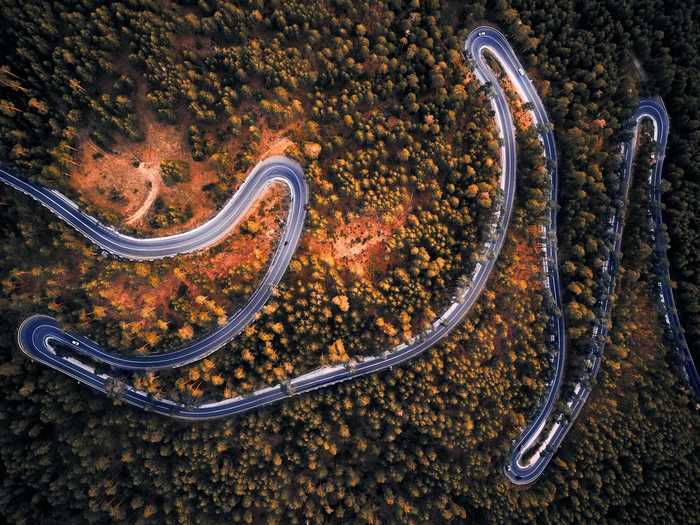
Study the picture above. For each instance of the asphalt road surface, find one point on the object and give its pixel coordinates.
(43, 340)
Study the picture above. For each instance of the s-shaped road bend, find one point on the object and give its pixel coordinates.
(40, 337)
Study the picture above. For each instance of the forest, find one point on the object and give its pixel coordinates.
(398, 142)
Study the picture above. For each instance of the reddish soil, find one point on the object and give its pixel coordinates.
(358, 245)
(131, 168)
(238, 248)
(521, 116)
(130, 302)
(520, 279)
(153, 181)
(526, 260)
(272, 144)
(199, 44)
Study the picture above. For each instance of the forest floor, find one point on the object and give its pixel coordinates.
(123, 184)
(360, 243)
(520, 278)
(526, 260)
(266, 218)
(644, 329)
(272, 144)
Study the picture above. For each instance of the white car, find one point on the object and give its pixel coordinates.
(76, 343)
(521, 71)
(482, 33)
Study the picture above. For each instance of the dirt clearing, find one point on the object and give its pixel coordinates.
(360, 243)
(125, 182)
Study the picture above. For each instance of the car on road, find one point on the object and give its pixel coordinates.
(287, 387)
(521, 71)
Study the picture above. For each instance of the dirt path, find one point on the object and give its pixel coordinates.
(153, 176)
(278, 147)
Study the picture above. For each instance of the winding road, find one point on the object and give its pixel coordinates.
(494, 42)
(654, 110)
(535, 447)
(41, 338)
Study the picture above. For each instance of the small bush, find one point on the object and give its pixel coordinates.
(174, 171)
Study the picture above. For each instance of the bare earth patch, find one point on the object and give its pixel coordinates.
(521, 116)
(199, 44)
(526, 260)
(273, 145)
(520, 278)
(360, 244)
